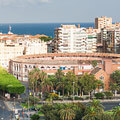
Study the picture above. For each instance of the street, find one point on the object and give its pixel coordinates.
(6, 109)
(4, 113)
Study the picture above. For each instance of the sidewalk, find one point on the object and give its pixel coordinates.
(11, 107)
(84, 101)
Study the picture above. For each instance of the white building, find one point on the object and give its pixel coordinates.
(12, 45)
(70, 39)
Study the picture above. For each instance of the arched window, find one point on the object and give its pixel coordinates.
(53, 67)
(42, 67)
(48, 67)
(34, 66)
(25, 68)
(30, 66)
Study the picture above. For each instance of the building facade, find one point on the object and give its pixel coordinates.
(12, 45)
(103, 22)
(71, 39)
(79, 63)
(110, 38)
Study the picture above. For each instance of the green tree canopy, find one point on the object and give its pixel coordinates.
(94, 63)
(115, 76)
(46, 39)
(9, 83)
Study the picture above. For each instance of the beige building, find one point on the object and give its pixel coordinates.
(8, 52)
(103, 22)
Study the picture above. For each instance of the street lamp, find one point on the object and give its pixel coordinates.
(73, 90)
(0, 106)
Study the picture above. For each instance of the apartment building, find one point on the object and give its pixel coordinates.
(71, 39)
(110, 38)
(103, 22)
(12, 45)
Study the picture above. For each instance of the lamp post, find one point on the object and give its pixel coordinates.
(29, 105)
(73, 90)
(0, 108)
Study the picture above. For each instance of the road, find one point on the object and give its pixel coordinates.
(108, 105)
(4, 113)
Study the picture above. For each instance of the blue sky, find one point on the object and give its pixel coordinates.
(42, 11)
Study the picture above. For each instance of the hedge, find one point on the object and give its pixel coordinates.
(9, 83)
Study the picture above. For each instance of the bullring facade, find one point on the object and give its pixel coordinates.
(79, 63)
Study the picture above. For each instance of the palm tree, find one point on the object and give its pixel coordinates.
(80, 85)
(33, 77)
(70, 78)
(47, 85)
(66, 114)
(91, 114)
(114, 87)
(61, 84)
(43, 77)
(97, 105)
(116, 113)
(105, 116)
(59, 75)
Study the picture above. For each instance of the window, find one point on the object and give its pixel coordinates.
(25, 68)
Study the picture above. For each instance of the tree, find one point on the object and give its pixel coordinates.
(91, 113)
(42, 80)
(88, 83)
(59, 75)
(35, 117)
(46, 39)
(114, 87)
(70, 78)
(34, 76)
(47, 85)
(9, 83)
(115, 81)
(67, 114)
(61, 84)
(94, 63)
(105, 116)
(96, 104)
(93, 110)
(116, 113)
(38, 80)
(115, 76)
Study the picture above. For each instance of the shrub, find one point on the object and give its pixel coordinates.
(35, 117)
(99, 95)
(9, 83)
(32, 100)
(78, 98)
(108, 94)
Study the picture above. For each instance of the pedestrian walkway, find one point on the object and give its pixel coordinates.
(12, 105)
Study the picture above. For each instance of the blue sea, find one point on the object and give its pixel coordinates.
(37, 28)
